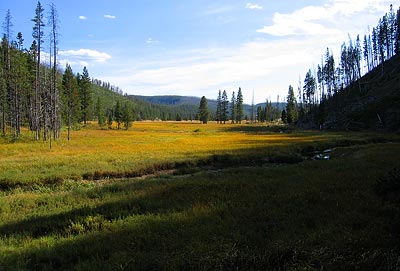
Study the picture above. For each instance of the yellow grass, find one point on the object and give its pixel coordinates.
(145, 144)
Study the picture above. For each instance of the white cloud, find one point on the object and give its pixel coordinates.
(82, 17)
(151, 41)
(253, 6)
(331, 18)
(83, 57)
(108, 16)
(254, 66)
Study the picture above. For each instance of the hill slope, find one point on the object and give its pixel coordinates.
(185, 105)
(373, 102)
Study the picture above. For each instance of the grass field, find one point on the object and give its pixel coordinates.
(243, 198)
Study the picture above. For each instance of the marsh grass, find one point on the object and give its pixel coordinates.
(149, 147)
(242, 213)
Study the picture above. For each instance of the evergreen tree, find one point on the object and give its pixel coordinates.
(309, 88)
(71, 99)
(110, 118)
(224, 107)
(260, 113)
(218, 114)
(101, 120)
(291, 113)
(284, 116)
(118, 115)
(127, 116)
(85, 93)
(239, 106)
(233, 108)
(203, 110)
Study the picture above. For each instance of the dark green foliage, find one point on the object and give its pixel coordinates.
(309, 88)
(239, 106)
(218, 113)
(233, 108)
(127, 116)
(224, 107)
(291, 107)
(284, 116)
(72, 106)
(100, 114)
(118, 114)
(85, 94)
(203, 110)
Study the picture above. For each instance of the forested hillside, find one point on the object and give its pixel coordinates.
(359, 92)
(372, 102)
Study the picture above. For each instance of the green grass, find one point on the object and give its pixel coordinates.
(240, 214)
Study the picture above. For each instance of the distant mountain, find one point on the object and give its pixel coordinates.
(169, 99)
(188, 105)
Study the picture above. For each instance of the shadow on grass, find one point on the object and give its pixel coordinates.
(261, 129)
(246, 219)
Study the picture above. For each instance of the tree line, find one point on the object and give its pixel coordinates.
(357, 57)
(35, 93)
(232, 110)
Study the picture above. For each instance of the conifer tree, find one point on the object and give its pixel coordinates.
(224, 107)
(71, 99)
(100, 113)
(218, 114)
(118, 116)
(233, 108)
(85, 93)
(127, 116)
(203, 110)
(291, 113)
(239, 106)
(309, 88)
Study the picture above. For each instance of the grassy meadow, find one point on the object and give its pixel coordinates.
(241, 197)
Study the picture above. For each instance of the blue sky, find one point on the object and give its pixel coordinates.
(197, 47)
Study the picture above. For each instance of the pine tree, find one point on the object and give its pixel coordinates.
(101, 120)
(218, 114)
(233, 107)
(203, 110)
(291, 113)
(85, 93)
(127, 116)
(110, 118)
(224, 107)
(71, 99)
(239, 106)
(118, 116)
(309, 88)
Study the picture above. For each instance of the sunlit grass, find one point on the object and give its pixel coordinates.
(145, 145)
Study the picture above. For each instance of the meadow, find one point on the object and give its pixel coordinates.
(187, 196)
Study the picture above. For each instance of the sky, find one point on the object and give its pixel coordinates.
(197, 47)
